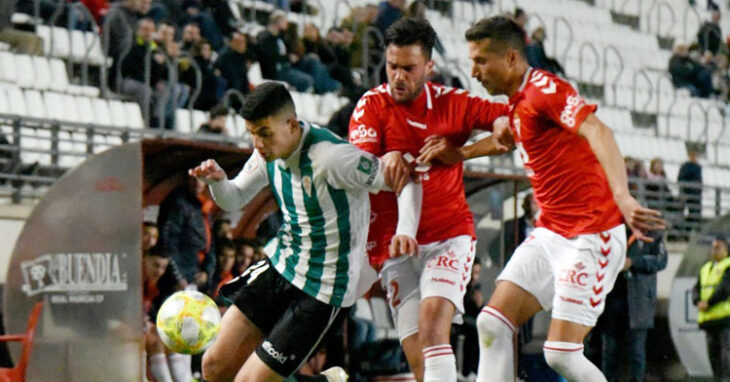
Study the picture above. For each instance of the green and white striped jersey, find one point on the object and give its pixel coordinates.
(322, 189)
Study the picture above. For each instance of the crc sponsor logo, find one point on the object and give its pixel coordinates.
(73, 272)
(269, 348)
(575, 276)
(573, 104)
(363, 134)
(444, 262)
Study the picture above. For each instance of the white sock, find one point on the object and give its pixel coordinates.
(158, 368)
(439, 364)
(568, 360)
(496, 346)
(180, 367)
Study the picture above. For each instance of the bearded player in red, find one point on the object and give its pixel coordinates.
(396, 120)
(570, 261)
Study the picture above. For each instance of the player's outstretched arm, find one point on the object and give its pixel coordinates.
(233, 194)
(409, 215)
(439, 148)
(604, 146)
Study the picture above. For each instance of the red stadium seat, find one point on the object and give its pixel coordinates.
(17, 373)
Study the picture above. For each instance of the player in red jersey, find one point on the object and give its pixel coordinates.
(570, 262)
(425, 292)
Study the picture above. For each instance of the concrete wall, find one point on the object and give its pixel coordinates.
(12, 219)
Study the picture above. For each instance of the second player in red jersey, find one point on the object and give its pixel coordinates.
(380, 124)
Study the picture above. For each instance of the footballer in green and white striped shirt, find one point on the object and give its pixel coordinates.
(321, 183)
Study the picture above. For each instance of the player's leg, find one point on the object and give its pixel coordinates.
(586, 268)
(180, 366)
(523, 288)
(400, 278)
(235, 343)
(295, 336)
(157, 360)
(446, 271)
(256, 308)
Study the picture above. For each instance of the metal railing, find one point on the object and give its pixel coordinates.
(694, 105)
(596, 62)
(685, 20)
(336, 20)
(656, 8)
(606, 50)
(561, 20)
(641, 73)
(369, 33)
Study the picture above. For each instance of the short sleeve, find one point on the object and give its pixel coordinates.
(481, 113)
(365, 129)
(559, 102)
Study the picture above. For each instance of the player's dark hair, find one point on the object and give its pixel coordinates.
(149, 224)
(503, 32)
(410, 31)
(266, 100)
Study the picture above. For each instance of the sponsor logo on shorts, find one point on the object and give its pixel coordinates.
(571, 300)
(441, 280)
(574, 276)
(444, 262)
(269, 348)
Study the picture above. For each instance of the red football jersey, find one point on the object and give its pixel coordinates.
(379, 125)
(569, 183)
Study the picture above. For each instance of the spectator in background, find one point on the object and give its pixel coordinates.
(711, 294)
(520, 17)
(658, 195)
(357, 22)
(165, 33)
(689, 74)
(536, 56)
(709, 37)
(216, 124)
(196, 13)
(721, 78)
(234, 61)
(690, 190)
(20, 41)
(150, 235)
(222, 230)
(524, 225)
(630, 308)
(473, 302)
(417, 10)
(225, 260)
(121, 24)
(389, 11)
(213, 85)
(339, 122)
(245, 255)
(133, 67)
(190, 36)
(184, 234)
(341, 42)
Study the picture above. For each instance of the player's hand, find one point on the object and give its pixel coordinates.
(440, 148)
(504, 141)
(403, 245)
(640, 219)
(502, 133)
(201, 278)
(703, 306)
(208, 171)
(395, 170)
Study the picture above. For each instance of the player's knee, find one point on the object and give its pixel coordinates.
(492, 324)
(560, 361)
(214, 369)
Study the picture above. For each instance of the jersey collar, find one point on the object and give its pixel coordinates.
(515, 97)
(426, 91)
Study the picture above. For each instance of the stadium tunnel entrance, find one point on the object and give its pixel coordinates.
(80, 252)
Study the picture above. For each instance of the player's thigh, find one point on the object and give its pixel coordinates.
(525, 285)
(400, 279)
(445, 273)
(255, 370)
(236, 341)
(299, 332)
(585, 269)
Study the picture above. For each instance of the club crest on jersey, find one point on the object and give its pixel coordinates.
(307, 185)
(365, 166)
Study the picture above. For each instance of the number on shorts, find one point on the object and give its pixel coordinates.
(395, 300)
